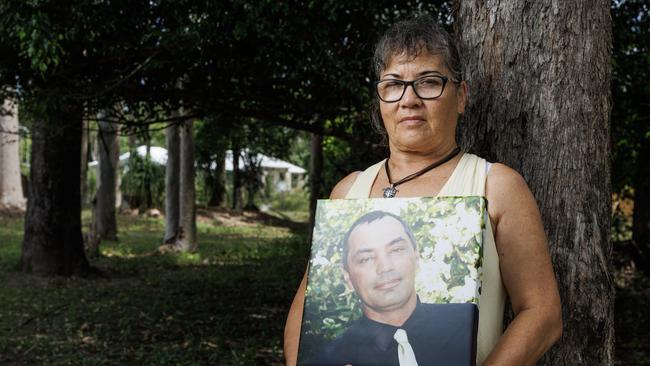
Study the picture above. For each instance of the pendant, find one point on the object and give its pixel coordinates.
(390, 192)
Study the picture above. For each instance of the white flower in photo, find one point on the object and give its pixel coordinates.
(464, 293)
(430, 280)
(443, 248)
(320, 261)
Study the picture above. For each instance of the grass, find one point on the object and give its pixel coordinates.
(223, 305)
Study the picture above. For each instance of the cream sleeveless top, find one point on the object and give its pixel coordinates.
(467, 179)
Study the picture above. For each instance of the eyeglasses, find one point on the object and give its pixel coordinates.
(427, 87)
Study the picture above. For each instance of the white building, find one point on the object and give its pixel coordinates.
(281, 174)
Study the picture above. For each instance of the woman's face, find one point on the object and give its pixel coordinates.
(418, 125)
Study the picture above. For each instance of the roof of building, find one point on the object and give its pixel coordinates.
(159, 156)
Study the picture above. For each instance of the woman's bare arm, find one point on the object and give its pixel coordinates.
(292, 326)
(526, 271)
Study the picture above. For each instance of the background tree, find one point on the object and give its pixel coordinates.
(261, 139)
(631, 119)
(172, 181)
(315, 173)
(187, 196)
(237, 196)
(108, 153)
(61, 67)
(52, 243)
(532, 107)
(11, 191)
(86, 157)
(217, 181)
(212, 141)
(252, 177)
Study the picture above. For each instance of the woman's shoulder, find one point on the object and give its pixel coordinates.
(506, 190)
(342, 188)
(344, 185)
(502, 179)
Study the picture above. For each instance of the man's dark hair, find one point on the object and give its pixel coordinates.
(366, 219)
(412, 37)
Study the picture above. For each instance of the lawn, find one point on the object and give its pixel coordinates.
(223, 305)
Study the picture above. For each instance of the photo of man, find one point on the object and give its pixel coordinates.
(379, 260)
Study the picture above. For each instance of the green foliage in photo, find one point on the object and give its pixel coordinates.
(448, 233)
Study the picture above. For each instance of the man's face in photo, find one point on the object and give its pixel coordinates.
(382, 262)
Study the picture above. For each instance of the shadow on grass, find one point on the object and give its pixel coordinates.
(223, 305)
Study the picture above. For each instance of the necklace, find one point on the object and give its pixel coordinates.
(391, 191)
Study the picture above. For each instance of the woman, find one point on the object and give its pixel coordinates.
(421, 94)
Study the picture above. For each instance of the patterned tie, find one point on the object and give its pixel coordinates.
(404, 350)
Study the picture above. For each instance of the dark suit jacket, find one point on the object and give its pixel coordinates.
(440, 334)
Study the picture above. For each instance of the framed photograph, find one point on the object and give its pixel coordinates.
(394, 282)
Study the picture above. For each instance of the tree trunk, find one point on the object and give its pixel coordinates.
(118, 186)
(133, 143)
(11, 191)
(236, 176)
(172, 181)
(251, 179)
(218, 180)
(641, 218)
(53, 243)
(539, 80)
(133, 199)
(315, 172)
(85, 136)
(148, 195)
(108, 151)
(187, 190)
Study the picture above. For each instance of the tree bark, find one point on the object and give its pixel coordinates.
(53, 242)
(11, 191)
(172, 181)
(108, 152)
(187, 191)
(641, 216)
(237, 199)
(539, 80)
(315, 172)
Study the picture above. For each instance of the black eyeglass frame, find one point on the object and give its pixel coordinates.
(406, 84)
